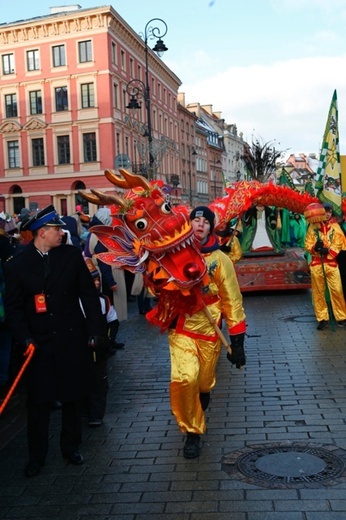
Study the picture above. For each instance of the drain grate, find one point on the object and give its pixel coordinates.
(287, 465)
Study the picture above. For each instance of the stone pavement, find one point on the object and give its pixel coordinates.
(292, 392)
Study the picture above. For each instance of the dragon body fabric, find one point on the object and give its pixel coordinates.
(151, 237)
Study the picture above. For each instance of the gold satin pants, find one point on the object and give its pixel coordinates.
(193, 367)
(332, 275)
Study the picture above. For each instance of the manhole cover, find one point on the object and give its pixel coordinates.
(294, 464)
(287, 465)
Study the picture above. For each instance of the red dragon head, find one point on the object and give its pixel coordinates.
(148, 235)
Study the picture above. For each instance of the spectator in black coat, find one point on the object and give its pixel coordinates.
(45, 287)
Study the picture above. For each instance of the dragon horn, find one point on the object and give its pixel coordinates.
(130, 180)
(89, 197)
(98, 197)
(108, 198)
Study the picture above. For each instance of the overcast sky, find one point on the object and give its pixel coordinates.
(270, 66)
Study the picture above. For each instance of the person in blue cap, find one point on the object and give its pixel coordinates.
(45, 286)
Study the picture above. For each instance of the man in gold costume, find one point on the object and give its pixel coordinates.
(324, 240)
(195, 345)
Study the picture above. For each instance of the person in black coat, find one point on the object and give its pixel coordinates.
(45, 287)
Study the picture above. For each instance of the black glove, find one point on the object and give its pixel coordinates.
(31, 341)
(319, 248)
(225, 249)
(318, 245)
(237, 357)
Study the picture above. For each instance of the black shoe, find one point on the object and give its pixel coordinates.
(74, 457)
(192, 446)
(114, 347)
(204, 397)
(322, 325)
(341, 323)
(32, 469)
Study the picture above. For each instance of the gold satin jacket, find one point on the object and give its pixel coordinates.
(332, 237)
(222, 297)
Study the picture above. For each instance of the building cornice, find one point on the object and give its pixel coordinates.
(93, 20)
(56, 25)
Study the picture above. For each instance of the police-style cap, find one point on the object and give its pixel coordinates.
(205, 212)
(46, 217)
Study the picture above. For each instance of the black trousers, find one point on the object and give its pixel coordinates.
(38, 416)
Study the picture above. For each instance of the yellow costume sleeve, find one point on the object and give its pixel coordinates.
(230, 295)
(236, 251)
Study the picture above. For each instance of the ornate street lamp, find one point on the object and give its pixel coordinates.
(215, 162)
(150, 32)
(134, 89)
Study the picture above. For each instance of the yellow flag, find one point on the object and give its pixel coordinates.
(328, 184)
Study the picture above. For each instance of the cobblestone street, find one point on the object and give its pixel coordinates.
(292, 392)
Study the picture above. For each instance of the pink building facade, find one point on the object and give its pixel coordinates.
(63, 115)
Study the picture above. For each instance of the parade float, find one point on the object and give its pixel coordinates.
(267, 262)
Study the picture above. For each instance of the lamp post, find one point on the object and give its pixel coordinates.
(190, 174)
(215, 162)
(150, 32)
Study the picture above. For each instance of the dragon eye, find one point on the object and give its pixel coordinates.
(141, 224)
(166, 207)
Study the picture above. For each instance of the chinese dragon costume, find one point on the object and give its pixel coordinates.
(151, 237)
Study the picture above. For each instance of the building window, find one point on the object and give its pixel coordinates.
(88, 97)
(115, 95)
(89, 147)
(123, 60)
(13, 154)
(35, 102)
(37, 152)
(85, 51)
(64, 149)
(114, 53)
(61, 101)
(59, 58)
(8, 64)
(33, 60)
(11, 105)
